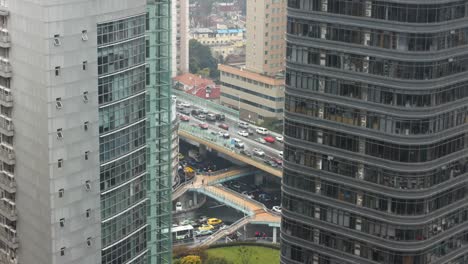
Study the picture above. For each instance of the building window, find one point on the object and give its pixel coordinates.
(62, 222)
(85, 97)
(62, 251)
(86, 155)
(85, 65)
(88, 185)
(61, 192)
(60, 163)
(88, 213)
(85, 126)
(57, 41)
(88, 241)
(59, 133)
(57, 71)
(58, 103)
(84, 35)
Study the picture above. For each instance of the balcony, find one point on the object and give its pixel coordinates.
(7, 154)
(4, 38)
(6, 125)
(5, 68)
(7, 181)
(8, 209)
(6, 99)
(8, 234)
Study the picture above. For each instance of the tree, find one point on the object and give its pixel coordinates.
(191, 259)
(245, 254)
(216, 260)
(201, 58)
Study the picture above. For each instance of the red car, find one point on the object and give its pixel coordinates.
(278, 161)
(203, 126)
(184, 118)
(269, 139)
(224, 126)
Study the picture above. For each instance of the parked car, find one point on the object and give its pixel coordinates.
(178, 206)
(279, 138)
(276, 208)
(223, 126)
(243, 133)
(258, 152)
(220, 117)
(203, 126)
(269, 139)
(262, 131)
(214, 221)
(184, 118)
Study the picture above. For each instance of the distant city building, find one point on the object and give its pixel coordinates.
(221, 41)
(198, 86)
(180, 37)
(256, 87)
(376, 112)
(257, 96)
(82, 177)
(266, 22)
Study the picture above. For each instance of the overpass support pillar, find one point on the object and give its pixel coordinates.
(259, 178)
(274, 235)
(202, 151)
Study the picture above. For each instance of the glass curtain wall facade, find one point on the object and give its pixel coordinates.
(158, 98)
(375, 160)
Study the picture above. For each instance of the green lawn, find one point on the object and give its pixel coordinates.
(260, 255)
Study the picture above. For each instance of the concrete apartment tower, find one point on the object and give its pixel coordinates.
(265, 22)
(82, 176)
(375, 158)
(180, 37)
(256, 88)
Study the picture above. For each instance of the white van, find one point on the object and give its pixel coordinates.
(262, 131)
(243, 124)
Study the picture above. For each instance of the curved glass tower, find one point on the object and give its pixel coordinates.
(375, 166)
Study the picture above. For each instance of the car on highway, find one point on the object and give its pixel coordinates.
(261, 140)
(201, 117)
(258, 152)
(211, 117)
(250, 131)
(195, 112)
(248, 194)
(262, 131)
(243, 124)
(278, 161)
(223, 126)
(238, 143)
(202, 219)
(203, 126)
(243, 133)
(272, 163)
(276, 208)
(203, 232)
(185, 111)
(179, 107)
(184, 118)
(220, 117)
(184, 104)
(269, 139)
(279, 138)
(214, 221)
(246, 152)
(226, 135)
(280, 154)
(204, 111)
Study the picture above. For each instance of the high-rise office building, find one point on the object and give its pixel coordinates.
(180, 36)
(375, 154)
(85, 132)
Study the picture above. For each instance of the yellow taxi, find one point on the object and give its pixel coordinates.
(214, 221)
(205, 227)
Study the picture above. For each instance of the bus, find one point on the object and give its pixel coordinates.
(180, 233)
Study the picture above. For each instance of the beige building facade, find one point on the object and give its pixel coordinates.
(266, 23)
(255, 95)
